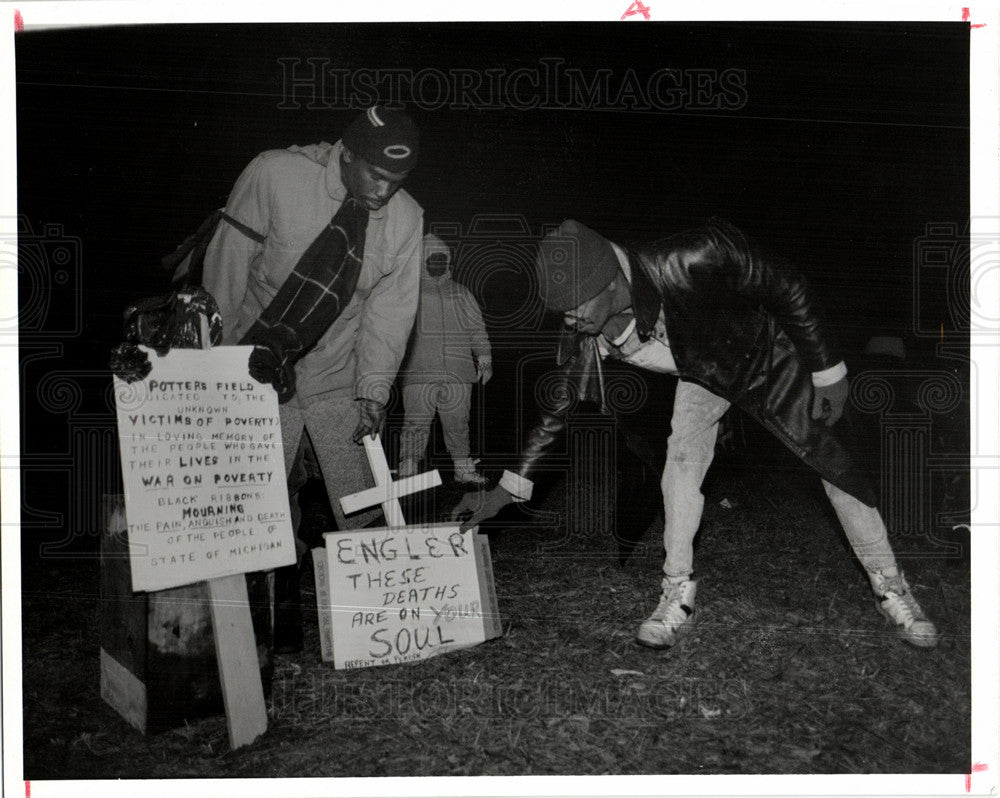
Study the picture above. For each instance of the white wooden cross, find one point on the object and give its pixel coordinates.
(386, 492)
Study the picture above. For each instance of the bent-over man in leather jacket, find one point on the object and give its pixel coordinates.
(737, 328)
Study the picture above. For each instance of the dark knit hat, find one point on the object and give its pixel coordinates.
(385, 138)
(574, 264)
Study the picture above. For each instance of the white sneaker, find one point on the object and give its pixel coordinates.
(895, 601)
(471, 478)
(467, 474)
(673, 616)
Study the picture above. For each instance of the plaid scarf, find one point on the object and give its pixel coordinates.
(310, 300)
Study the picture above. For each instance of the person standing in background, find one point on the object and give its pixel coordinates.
(449, 350)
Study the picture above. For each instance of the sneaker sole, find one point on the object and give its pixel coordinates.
(681, 632)
(655, 646)
(916, 642)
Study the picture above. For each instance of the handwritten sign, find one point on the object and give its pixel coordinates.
(394, 595)
(203, 470)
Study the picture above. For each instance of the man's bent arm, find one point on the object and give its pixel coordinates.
(230, 253)
(720, 252)
(473, 314)
(386, 321)
(577, 381)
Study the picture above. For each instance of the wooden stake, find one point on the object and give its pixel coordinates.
(236, 652)
(236, 646)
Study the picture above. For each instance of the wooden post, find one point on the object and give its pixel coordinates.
(236, 653)
(236, 646)
(152, 677)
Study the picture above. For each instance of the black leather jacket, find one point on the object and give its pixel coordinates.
(741, 325)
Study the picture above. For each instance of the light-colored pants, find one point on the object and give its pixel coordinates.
(690, 449)
(451, 401)
(343, 463)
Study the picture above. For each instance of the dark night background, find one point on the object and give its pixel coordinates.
(853, 138)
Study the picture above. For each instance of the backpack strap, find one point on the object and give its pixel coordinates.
(186, 262)
(249, 232)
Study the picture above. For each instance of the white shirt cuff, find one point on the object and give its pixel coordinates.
(625, 334)
(829, 376)
(516, 485)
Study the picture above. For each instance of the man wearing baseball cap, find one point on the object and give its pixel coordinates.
(319, 270)
(736, 327)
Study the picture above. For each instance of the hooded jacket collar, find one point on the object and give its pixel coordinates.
(335, 186)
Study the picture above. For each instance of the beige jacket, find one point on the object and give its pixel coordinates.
(288, 196)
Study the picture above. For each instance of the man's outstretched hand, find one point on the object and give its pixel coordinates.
(829, 401)
(480, 505)
(372, 419)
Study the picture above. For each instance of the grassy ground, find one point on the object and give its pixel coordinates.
(789, 670)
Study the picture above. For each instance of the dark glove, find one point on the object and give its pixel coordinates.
(829, 401)
(129, 362)
(480, 505)
(372, 419)
(266, 367)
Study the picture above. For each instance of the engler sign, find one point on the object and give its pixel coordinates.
(394, 595)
